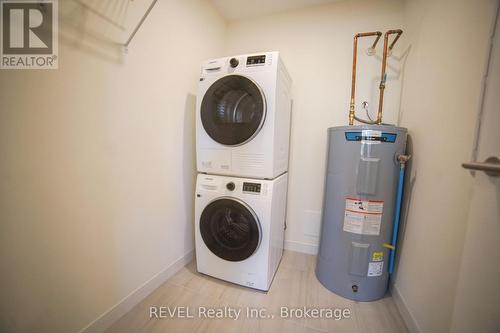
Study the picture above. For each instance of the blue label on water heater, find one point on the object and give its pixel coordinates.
(383, 137)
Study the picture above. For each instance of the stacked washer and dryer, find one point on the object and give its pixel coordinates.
(243, 115)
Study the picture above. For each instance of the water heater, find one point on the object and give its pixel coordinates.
(359, 208)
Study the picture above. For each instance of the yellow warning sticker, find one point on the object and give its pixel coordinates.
(378, 256)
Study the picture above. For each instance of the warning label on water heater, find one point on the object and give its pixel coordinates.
(363, 217)
(375, 268)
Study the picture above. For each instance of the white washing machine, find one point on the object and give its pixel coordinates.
(243, 116)
(239, 228)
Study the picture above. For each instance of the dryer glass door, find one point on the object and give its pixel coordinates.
(230, 229)
(233, 110)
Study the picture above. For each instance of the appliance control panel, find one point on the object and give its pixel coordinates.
(256, 60)
(251, 187)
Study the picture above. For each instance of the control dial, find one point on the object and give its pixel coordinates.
(230, 186)
(234, 62)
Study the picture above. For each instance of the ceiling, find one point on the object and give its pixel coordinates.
(240, 9)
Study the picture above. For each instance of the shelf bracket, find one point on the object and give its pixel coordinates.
(138, 26)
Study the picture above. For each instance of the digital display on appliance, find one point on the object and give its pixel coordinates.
(251, 187)
(256, 60)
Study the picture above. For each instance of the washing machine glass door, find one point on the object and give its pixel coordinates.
(233, 110)
(230, 229)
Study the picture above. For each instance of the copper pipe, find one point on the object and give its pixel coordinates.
(383, 75)
(354, 61)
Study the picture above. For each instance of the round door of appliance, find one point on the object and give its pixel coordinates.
(233, 110)
(230, 229)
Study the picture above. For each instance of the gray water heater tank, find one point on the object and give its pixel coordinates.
(358, 209)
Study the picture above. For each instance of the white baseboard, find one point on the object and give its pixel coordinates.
(301, 247)
(408, 318)
(103, 322)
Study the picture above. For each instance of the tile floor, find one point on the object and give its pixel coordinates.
(295, 286)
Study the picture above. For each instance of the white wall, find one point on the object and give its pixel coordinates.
(97, 164)
(440, 101)
(316, 45)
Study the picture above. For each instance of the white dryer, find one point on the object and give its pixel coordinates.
(239, 228)
(243, 116)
